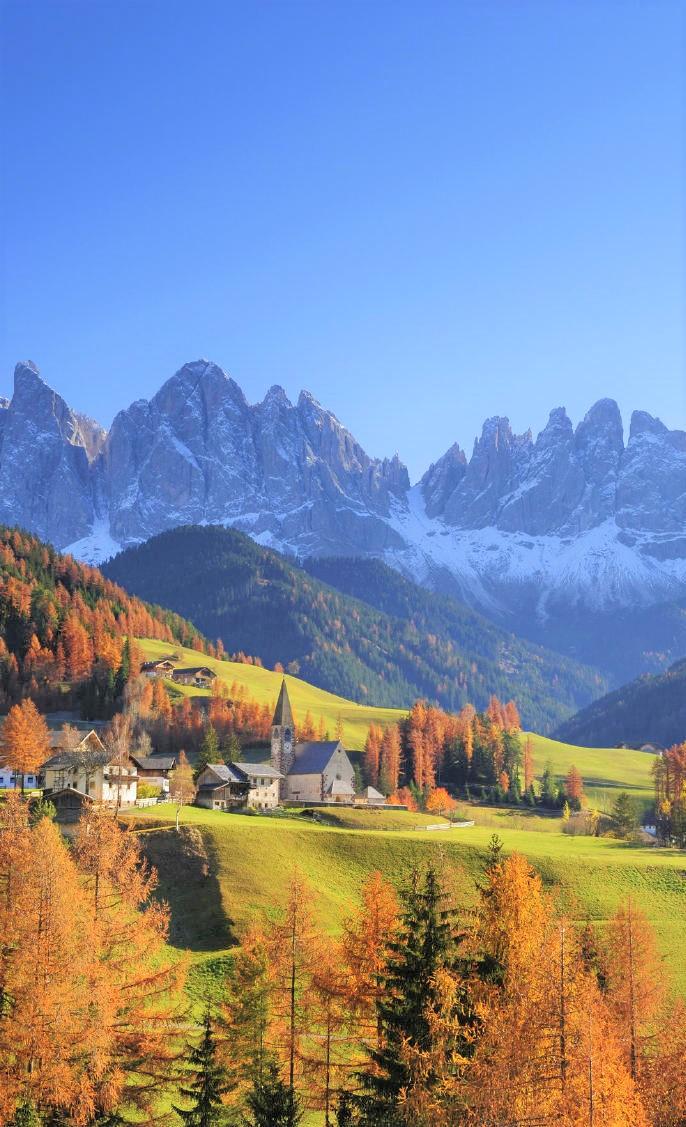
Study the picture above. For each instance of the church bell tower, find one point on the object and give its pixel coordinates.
(283, 748)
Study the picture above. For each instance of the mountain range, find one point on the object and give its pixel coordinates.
(575, 539)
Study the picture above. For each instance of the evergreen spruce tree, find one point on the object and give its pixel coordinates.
(26, 1116)
(231, 749)
(625, 814)
(427, 943)
(208, 1084)
(271, 1102)
(344, 1111)
(209, 750)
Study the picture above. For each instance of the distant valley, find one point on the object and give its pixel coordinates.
(354, 627)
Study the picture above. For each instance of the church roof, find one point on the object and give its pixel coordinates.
(313, 757)
(283, 715)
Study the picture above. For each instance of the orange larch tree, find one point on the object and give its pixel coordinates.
(25, 739)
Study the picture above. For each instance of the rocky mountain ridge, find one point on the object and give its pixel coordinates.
(527, 529)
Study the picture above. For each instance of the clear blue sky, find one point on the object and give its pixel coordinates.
(425, 213)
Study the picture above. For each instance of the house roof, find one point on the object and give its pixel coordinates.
(163, 662)
(283, 713)
(154, 762)
(226, 773)
(372, 792)
(264, 769)
(313, 757)
(70, 757)
(72, 792)
(339, 786)
(57, 739)
(193, 671)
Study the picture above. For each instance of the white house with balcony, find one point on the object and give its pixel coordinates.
(85, 765)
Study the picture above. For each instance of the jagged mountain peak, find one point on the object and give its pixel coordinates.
(276, 398)
(643, 423)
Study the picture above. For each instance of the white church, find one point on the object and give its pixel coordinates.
(316, 771)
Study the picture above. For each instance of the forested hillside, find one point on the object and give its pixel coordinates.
(383, 650)
(63, 627)
(650, 709)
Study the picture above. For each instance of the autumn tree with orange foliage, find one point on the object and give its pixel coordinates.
(141, 981)
(635, 983)
(547, 1046)
(294, 947)
(574, 788)
(438, 801)
(25, 742)
(371, 759)
(86, 1020)
(368, 935)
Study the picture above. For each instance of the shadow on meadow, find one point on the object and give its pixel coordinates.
(187, 866)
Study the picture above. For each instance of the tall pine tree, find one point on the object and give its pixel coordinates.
(208, 1084)
(426, 945)
(272, 1103)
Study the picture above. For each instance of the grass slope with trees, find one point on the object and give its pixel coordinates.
(370, 647)
(249, 857)
(649, 710)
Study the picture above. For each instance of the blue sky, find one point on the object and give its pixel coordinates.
(425, 213)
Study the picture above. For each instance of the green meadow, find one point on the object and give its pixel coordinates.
(251, 857)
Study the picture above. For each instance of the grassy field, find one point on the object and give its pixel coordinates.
(250, 859)
(605, 770)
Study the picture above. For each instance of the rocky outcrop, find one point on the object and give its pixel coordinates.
(198, 452)
(45, 472)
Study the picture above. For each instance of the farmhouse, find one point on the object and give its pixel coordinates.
(198, 675)
(315, 771)
(222, 787)
(154, 769)
(87, 766)
(264, 783)
(9, 780)
(162, 668)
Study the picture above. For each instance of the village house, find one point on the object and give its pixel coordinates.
(264, 783)
(315, 771)
(162, 668)
(222, 786)
(11, 781)
(154, 769)
(199, 675)
(70, 805)
(85, 765)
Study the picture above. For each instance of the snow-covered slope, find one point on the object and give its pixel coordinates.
(574, 524)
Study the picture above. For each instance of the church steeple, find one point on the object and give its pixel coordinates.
(283, 751)
(283, 715)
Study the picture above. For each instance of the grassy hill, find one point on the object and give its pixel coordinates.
(386, 641)
(651, 709)
(605, 770)
(250, 858)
